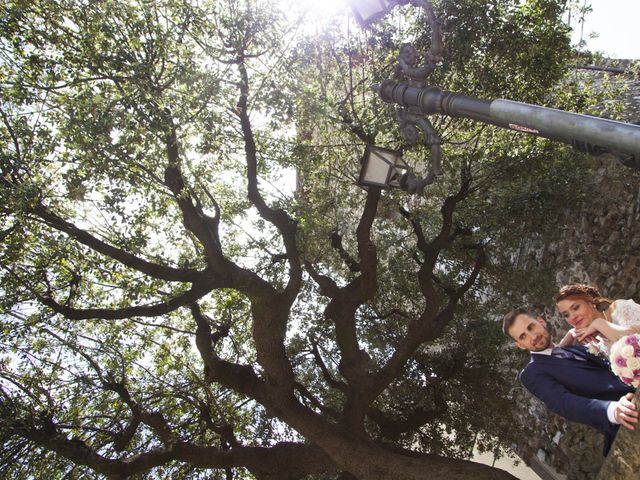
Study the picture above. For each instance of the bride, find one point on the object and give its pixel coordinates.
(596, 320)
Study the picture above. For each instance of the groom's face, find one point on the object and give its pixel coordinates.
(530, 333)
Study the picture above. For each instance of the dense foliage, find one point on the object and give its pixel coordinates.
(173, 307)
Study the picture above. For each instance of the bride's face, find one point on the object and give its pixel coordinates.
(578, 312)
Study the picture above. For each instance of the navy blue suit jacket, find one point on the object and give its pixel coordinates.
(578, 390)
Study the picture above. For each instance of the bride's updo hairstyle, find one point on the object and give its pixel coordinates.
(588, 293)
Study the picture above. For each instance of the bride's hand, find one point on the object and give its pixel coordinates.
(586, 334)
(569, 339)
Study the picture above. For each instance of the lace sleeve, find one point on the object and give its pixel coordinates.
(626, 313)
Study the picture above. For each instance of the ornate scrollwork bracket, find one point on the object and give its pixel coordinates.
(414, 126)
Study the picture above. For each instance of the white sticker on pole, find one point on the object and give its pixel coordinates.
(520, 128)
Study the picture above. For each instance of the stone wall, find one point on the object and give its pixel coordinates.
(600, 246)
(623, 462)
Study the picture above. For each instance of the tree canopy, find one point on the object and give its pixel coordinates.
(173, 306)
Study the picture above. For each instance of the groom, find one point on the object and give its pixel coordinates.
(571, 382)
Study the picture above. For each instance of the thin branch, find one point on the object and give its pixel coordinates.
(196, 292)
(326, 374)
(239, 377)
(278, 217)
(336, 243)
(328, 286)
(14, 138)
(161, 272)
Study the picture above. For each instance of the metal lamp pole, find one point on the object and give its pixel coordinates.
(415, 99)
(591, 134)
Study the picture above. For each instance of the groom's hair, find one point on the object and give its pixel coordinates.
(510, 318)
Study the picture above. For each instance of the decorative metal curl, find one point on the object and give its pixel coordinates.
(414, 127)
(591, 134)
(413, 124)
(408, 57)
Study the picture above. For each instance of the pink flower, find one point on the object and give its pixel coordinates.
(621, 362)
(625, 359)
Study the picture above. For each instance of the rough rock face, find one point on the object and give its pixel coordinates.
(605, 241)
(601, 246)
(623, 462)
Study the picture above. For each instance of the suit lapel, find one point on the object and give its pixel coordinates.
(581, 350)
(578, 350)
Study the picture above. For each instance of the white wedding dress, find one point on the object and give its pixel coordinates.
(625, 313)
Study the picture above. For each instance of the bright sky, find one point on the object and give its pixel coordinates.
(616, 23)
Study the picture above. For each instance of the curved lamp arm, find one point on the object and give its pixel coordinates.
(408, 58)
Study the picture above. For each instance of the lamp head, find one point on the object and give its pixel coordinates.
(368, 12)
(381, 167)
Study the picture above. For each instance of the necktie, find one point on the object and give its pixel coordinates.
(561, 352)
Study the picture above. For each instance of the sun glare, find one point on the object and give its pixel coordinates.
(325, 7)
(320, 9)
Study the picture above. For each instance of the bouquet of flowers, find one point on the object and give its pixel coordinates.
(625, 359)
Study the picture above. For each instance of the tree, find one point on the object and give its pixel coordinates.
(168, 311)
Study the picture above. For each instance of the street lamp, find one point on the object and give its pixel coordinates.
(413, 124)
(415, 99)
(370, 11)
(386, 168)
(381, 167)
